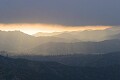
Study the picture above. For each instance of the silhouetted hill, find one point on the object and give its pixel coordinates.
(93, 60)
(16, 41)
(20, 69)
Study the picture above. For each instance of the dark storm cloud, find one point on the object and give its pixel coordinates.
(63, 12)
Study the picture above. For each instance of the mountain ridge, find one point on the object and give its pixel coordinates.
(21, 69)
(77, 48)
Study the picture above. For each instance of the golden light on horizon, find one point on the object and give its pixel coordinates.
(48, 28)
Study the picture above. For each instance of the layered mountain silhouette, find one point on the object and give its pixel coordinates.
(21, 69)
(87, 35)
(16, 41)
(82, 60)
(69, 58)
(20, 43)
(78, 48)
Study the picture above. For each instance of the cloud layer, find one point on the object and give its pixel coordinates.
(34, 28)
(62, 12)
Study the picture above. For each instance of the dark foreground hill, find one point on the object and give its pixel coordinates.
(20, 69)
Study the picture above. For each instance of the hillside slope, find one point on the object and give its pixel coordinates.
(20, 69)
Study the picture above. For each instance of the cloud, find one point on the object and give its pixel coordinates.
(34, 28)
(62, 12)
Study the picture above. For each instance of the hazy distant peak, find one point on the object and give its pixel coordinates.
(46, 34)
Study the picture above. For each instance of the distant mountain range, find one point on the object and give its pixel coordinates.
(81, 60)
(21, 69)
(87, 35)
(46, 34)
(20, 43)
(77, 48)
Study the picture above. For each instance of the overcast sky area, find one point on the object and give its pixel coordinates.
(61, 12)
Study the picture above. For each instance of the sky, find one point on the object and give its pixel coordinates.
(32, 16)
